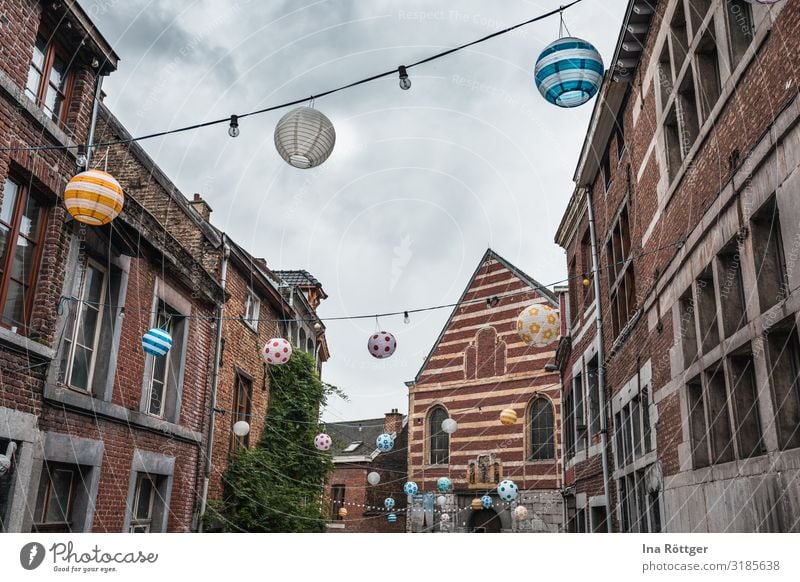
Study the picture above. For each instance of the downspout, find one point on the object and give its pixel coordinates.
(226, 251)
(98, 89)
(601, 359)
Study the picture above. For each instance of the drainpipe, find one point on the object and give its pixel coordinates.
(601, 368)
(226, 251)
(98, 89)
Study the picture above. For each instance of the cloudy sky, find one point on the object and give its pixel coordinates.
(420, 183)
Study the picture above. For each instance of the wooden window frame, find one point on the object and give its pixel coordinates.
(241, 380)
(146, 523)
(338, 492)
(42, 526)
(621, 274)
(53, 49)
(24, 191)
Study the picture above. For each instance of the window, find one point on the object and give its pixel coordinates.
(337, 501)
(708, 76)
(580, 421)
(569, 422)
(632, 436)
(144, 498)
(252, 307)
(22, 230)
(573, 291)
(731, 289)
(438, 440)
(49, 78)
(679, 36)
(242, 399)
(57, 491)
(352, 446)
(784, 367)
(688, 121)
(766, 231)
(542, 431)
(8, 448)
(621, 280)
(165, 369)
(593, 393)
(83, 330)
(707, 310)
(672, 143)
(598, 514)
(586, 267)
(605, 165)
(639, 504)
(740, 29)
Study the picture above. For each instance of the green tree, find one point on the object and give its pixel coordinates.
(277, 486)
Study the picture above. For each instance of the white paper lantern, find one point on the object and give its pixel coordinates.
(539, 325)
(441, 500)
(322, 442)
(449, 425)
(277, 351)
(507, 490)
(521, 513)
(373, 478)
(304, 137)
(381, 344)
(241, 428)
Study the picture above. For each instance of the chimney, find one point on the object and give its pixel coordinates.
(201, 207)
(393, 423)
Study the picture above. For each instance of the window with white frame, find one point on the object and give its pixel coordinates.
(144, 500)
(164, 371)
(252, 308)
(82, 331)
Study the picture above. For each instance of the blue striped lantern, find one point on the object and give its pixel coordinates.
(156, 342)
(391, 517)
(569, 72)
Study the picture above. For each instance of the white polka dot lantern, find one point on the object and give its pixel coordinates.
(445, 517)
(486, 501)
(304, 138)
(569, 72)
(507, 490)
(521, 512)
(373, 478)
(388, 503)
(449, 425)
(539, 325)
(381, 344)
(444, 484)
(277, 351)
(410, 488)
(241, 428)
(384, 442)
(322, 442)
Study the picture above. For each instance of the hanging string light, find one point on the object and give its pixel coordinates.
(405, 82)
(233, 130)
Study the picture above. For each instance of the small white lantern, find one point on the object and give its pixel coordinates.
(304, 137)
(241, 428)
(373, 478)
(441, 500)
(449, 425)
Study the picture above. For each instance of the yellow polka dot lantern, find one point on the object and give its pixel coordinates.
(508, 417)
(93, 197)
(539, 325)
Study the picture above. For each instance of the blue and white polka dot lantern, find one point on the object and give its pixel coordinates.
(156, 342)
(392, 517)
(486, 501)
(388, 503)
(444, 484)
(507, 490)
(384, 442)
(410, 488)
(569, 72)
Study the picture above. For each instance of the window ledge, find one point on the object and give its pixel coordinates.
(22, 344)
(113, 411)
(335, 525)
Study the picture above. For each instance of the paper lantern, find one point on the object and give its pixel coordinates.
(569, 72)
(445, 517)
(93, 197)
(521, 512)
(486, 501)
(304, 137)
(343, 512)
(241, 428)
(388, 503)
(373, 478)
(508, 417)
(410, 488)
(539, 325)
(476, 504)
(381, 344)
(322, 442)
(384, 442)
(391, 518)
(156, 342)
(441, 500)
(444, 484)
(277, 351)
(449, 425)
(507, 490)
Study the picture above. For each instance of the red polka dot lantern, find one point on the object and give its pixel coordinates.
(277, 351)
(381, 344)
(322, 442)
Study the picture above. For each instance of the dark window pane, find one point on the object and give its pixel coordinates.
(542, 437)
(143, 498)
(60, 493)
(10, 194)
(15, 304)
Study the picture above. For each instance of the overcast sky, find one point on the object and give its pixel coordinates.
(420, 182)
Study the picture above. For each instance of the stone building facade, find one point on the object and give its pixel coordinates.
(684, 222)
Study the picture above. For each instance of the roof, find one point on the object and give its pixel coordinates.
(355, 431)
(301, 278)
(91, 36)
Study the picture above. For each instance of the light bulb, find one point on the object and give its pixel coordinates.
(233, 130)
(406, 318)
(405, 82)
(80, 158)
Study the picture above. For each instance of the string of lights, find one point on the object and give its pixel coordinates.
(233, 120)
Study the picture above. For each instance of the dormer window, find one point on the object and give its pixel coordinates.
(48, 78)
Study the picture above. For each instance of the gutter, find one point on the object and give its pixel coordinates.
(601, 368)
(226, 251)
(98, 89)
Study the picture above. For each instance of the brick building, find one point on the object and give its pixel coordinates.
(354, 457)
(684, 224)
(478, 367)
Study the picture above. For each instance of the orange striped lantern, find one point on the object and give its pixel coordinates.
(94, 197)
(343, 512)
(476, 504)
(508, 417)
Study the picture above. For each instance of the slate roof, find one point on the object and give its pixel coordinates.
(298, 277)
(345, 433)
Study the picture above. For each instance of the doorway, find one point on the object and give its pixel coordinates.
(485, 521)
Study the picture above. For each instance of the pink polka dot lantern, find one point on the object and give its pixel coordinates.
(277, 351)
(381, 344)
(322, 442)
